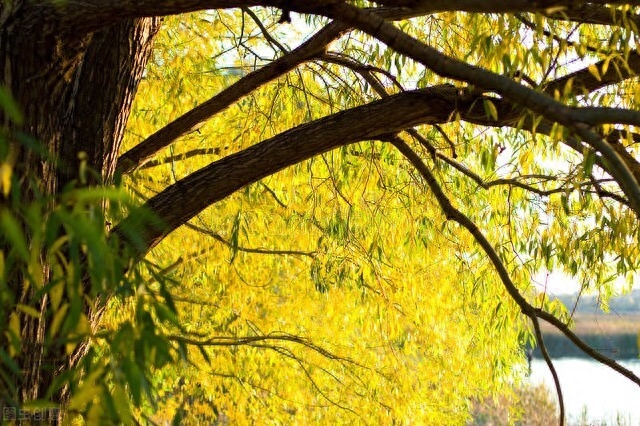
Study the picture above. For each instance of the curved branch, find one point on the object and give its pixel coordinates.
(435, 105)
(510, 114)
(180, 157)
(451, 213)
(260, 340)
(479, 77)
(584, 81)
(494, 6)
(366, 72)
(85, 16)
(181, 201)
(584, 347)
(527, 187)
(552, 368)
(219, 238)
(191, 120)
(599, 14)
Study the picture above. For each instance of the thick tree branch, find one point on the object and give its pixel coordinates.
(85, 16)
(613, 138)
(439, 104)
(584, 81)
(309, 50)
(179, 202)
(496, 6)
(595, 116)
(366, 73)
(191, 120)
(479, 77)
(591, 13)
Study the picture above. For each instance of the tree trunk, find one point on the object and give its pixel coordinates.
(75, 92)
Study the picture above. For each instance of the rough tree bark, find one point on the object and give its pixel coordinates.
(75, 91)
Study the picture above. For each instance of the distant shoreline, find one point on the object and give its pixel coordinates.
(613, 335)
(599, 323)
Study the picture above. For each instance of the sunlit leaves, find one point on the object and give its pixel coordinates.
(364, 293)
(348, 249)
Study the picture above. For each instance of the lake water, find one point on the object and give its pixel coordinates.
(606, 396)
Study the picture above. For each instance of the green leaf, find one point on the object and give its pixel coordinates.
(490, 109)
(589, 161)
(9, 106)
(8, 361)
(135, 379)
(235, 231)
(13, 334)
(58, 319)
(121, 403)
(13, 233)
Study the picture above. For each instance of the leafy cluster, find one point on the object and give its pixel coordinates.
(106, 369)
(331, 291)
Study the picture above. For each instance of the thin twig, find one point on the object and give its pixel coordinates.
(219, 237)
(552, 369)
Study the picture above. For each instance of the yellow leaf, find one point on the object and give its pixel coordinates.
(554, 9)
(56, 295)
(568, 88)
(594, 72)
(605, 64)
(83, 328)
(5, 178)
(70, 347)
(29, 310)
(490, 109)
